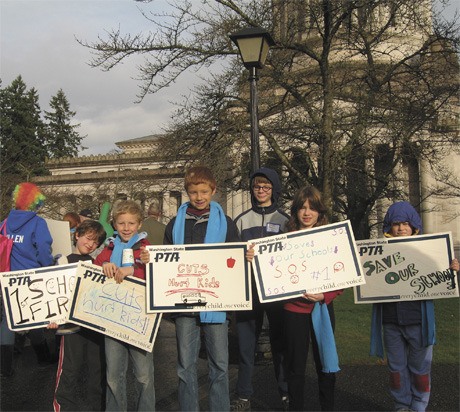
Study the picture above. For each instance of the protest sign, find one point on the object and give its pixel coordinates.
(62, 241)
(193, 278)
(114, 309)
(33, 298)
(314, 260)
(406, 268)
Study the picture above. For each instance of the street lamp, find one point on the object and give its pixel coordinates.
(253, 44)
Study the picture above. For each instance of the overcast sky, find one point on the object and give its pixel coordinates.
(37, 41)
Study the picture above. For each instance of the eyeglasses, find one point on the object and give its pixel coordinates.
(264, 188)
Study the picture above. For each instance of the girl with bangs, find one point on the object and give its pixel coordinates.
(310, 318)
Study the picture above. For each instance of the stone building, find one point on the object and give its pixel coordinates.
(136, 172)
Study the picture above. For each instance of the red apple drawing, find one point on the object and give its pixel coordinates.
(230, 262)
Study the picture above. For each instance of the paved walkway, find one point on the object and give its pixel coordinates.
(359, 388)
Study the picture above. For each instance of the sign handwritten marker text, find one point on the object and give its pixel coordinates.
(34, 298)
(114, 309)
(406, 268)
(192, 278)
(315, 260)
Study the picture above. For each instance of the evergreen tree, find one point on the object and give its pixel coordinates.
(23, 151)
(62, 138)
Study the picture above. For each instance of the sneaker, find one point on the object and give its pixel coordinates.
(285, 402)
(67, 329)
(239, 404)
(263, 358)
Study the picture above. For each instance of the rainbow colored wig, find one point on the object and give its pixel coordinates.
(27, 196)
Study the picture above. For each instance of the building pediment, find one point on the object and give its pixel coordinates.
(140, 144)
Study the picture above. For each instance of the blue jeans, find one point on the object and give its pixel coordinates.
(410, 366)
(188, 347)
(116, 355)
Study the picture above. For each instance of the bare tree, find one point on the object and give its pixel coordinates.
(355, 95)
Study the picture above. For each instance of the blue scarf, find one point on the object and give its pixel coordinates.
(119, 246)
(216, 232)
(325, 338)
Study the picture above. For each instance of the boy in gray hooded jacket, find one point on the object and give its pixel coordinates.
(263, 219)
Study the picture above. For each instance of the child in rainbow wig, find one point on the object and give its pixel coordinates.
(31, 249)
(408, 327)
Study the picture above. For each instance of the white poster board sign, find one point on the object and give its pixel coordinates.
(407, 268)
(114, 309)
(62, 241)
(201, 277)
(33, 298)
(314, 260)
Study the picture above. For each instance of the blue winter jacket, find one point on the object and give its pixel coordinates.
(402, 212)
(32, 240)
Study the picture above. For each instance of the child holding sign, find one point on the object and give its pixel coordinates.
(310, 317)
(408, 327)
(119, 259)
(31, 249)
(264, 218)
(201, 221)
(81, 345)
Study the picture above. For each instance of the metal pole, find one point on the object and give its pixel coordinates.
(255, 148)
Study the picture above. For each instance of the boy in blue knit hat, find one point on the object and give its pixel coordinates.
(408, 327)
(201, 220)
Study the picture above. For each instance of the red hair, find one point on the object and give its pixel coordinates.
(199, 174)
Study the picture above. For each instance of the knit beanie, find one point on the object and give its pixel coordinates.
(27, 196)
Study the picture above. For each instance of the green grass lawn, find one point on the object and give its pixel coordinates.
(353, 323)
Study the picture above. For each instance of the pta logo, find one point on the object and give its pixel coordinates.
(25, 280)
(167, 256)
(270, 248)
(95, 276)
(370, 250)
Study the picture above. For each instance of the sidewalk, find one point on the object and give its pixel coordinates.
(358, 388)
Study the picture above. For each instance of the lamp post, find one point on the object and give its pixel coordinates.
(253, 44)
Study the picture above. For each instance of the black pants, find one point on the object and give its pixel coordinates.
(78, 349)
(299, 332)
(249, 325)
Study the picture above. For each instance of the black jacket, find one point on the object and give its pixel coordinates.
(195, 230)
